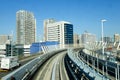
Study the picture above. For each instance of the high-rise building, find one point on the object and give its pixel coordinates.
(26, 27)
(47, 21)
(76, 40)
(107, 39)
(5, 39)
(60, 31)
(88, 37)
(116, 37)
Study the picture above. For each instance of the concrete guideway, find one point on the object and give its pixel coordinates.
(59, 72)
(63, 70)
(43, 70)
(52, 69)
(26, 71)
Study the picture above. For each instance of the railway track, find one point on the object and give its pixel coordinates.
(52, 69)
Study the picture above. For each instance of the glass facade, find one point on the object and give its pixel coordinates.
(60, 31)
(68, 32)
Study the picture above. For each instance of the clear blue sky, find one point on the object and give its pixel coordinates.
(85, 15)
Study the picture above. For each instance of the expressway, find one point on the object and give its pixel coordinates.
(52, 69)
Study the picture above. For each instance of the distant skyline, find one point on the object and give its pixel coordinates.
(85, 15)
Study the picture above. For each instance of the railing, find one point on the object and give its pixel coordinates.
(84, 67)
(105, 67)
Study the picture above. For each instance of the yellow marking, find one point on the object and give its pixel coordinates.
(1, 70)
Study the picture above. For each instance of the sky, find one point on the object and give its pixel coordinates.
(85, 15)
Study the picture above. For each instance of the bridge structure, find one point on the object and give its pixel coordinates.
(69, 63)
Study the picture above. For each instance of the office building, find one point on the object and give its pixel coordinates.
(76, 40)
(60, 31)
(80, 40)
(107, 39)
(26, 27)
(88, 38)
(46, 22)
(5, 39)
(116, 37)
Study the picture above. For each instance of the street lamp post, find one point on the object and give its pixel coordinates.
(102, 21)
(102, 33)
(11, 43)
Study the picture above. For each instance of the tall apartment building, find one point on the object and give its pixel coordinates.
(26, 27)
(60, 31)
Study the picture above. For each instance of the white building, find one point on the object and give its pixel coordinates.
(46, 22)
(76, 40)
(88, 38)
(3, 49)
(116, 38)
(61, 31)
(26, 27)
(5, 39)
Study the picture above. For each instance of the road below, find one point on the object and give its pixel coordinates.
(52, 69)
(22, 61)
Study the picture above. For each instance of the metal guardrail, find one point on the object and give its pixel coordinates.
(27, 70)
(111, 68)
(69, 68)
(90, 71)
